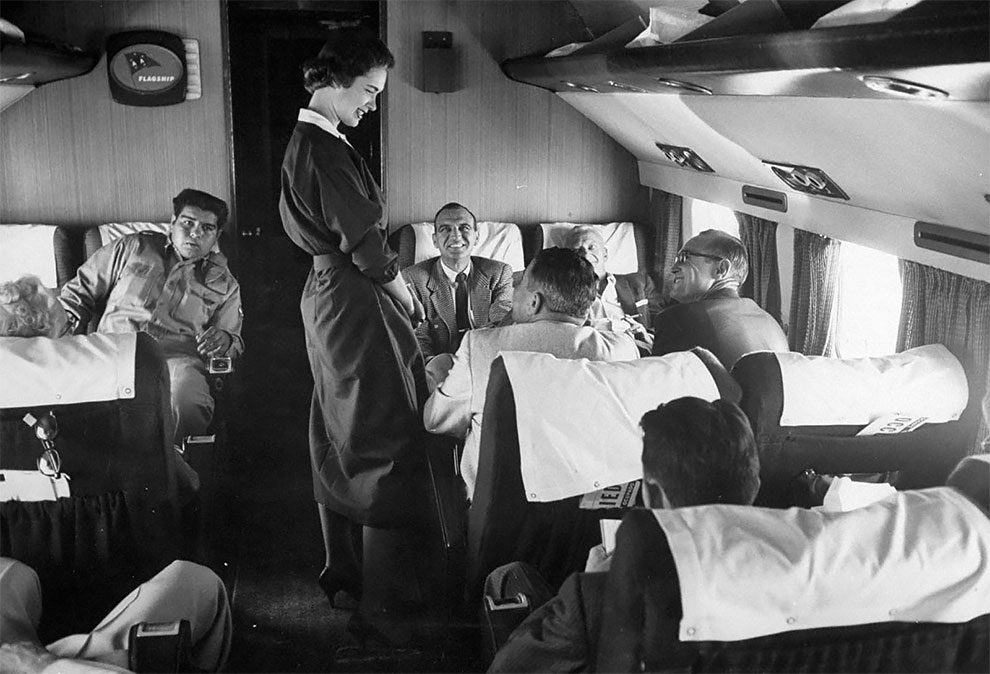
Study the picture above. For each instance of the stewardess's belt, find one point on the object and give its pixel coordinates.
(329, 261)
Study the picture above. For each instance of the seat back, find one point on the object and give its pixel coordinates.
(51, 253)
(790, 450)
(645, 600)
(503, 524)
(120, 521)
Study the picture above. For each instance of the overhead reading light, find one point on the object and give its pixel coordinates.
(686, 157)
(892, 85)
(808, 180)
(952, 241)
(684, 86)
(625, 87)
(579, 86)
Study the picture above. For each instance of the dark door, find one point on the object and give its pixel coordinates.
(268, 42)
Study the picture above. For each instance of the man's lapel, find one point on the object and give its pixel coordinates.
(481, 294)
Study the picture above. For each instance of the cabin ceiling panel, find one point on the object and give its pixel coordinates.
(922, 160)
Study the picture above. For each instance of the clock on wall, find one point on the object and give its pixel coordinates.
(146, 67)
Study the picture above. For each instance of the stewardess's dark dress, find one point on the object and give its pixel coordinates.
(369, 383)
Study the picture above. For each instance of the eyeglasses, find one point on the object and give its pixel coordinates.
(682, 256)
(46, 429)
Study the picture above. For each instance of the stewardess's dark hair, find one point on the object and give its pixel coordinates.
(347, 54)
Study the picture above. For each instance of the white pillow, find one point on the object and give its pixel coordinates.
(500, 241)
(28, 249)
(620, 241)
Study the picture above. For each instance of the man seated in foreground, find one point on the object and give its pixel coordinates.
(176, 287)
(694, 453)
(549, 311)
(182, 590)
(707, 273)
(622, 303)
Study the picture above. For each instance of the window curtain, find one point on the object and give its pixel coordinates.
(763, 283)
(813, 298)
(946, 308)
(667, 216)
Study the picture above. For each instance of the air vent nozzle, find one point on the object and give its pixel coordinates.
(952, 241)
(758, 196)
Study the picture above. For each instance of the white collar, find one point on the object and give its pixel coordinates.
(451, 274)
(313, 117)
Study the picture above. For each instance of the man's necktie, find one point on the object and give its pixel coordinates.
(461, 306)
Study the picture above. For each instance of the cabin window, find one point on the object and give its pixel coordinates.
(706, 215)
(869, 302)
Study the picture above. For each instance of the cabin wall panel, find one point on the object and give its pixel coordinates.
(74, 156)
(506, 150)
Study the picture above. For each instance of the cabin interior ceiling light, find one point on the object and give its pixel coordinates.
(892, 85)
(625, 87)
(685, 157)
(952, 241)
(681, 85)
(579, 86)
(807, 179)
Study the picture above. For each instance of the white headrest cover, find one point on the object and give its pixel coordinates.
(747, 572)
(620, 241)
(114, 230)
(500, 241)
(28, 249)
(578, 420)
(43, 371)
(925, 381)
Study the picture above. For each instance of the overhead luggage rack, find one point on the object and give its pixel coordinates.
(945, 46)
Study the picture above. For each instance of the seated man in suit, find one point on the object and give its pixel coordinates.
(182, 590)
(707, 273)
(459, 291)
(695, 452)
(176, 287)
(622, 303)
(549, 311)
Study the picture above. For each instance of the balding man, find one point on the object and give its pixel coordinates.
(458, 290)
(709, 313)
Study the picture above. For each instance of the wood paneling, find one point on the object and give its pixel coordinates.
(71, 155)
(506, 150)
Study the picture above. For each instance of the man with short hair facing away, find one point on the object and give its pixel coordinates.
(176, 287)
(549, 311)
(622, 303)
(707, 273)
(459, 291)
(695, 452)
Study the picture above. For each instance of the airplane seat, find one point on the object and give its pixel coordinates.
(500, 241)
(775, 597)
(809, 415)
(114, 521)
(539, 461)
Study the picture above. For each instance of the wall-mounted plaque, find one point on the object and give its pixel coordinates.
(146, 67)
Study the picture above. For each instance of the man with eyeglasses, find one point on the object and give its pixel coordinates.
(176, 287)
(458, 290)
(709, 313)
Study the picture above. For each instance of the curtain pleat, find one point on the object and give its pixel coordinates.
(667, 216)
(763, 283)
(940, 307)
(814, 291)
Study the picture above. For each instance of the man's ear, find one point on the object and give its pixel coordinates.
(653, 496)
(536, 301)
(722, 269)
(433, 237)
